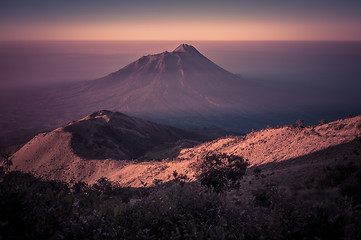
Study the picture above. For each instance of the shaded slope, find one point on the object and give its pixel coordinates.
(106, 134)
(114, 135)
(92, 147)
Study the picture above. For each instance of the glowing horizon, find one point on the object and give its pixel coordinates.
(167, 20)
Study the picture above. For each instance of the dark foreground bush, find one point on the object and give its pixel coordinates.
(222, 171)
(35, 209)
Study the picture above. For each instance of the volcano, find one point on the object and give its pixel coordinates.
(170, 83)
(181, 88)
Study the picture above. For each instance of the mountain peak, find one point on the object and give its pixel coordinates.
(186, 48)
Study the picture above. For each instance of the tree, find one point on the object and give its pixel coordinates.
(222, 171)
(348, 116)
(322, 121)
(7, 162)
(182, 178)
(103, 185)
(300, 122)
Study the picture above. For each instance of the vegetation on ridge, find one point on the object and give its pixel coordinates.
(31, 208)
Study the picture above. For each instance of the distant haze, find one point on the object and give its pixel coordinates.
(321, 64)
(308, 80)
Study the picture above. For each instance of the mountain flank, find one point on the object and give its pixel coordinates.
(98, 144)
(53, 155)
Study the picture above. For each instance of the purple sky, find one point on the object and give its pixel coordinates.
(180, 20)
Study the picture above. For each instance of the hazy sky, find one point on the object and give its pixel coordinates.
(180, 20)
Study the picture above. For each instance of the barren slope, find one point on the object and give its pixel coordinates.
(280, 144)
(52, 156)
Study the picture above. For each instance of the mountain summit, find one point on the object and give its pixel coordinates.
(186, 48)
(184, 62)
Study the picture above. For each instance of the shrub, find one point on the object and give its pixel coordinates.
(257, 172)
(348, 116)
(222, 171)
(182, 178)
(35, 209)
(300, 122)
(322, 121)
(6, 163)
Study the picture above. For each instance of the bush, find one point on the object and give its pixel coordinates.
(348, 116)
(222, 171)
(35, 209)
(6, 164)
(257, 172)
(300, 122)
(322, 121)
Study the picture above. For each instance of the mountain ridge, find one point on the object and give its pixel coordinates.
(52, 157)
(99, 143)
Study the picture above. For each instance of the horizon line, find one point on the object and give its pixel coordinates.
(161, 40)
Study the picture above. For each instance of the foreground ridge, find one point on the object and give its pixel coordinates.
(54, 155)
